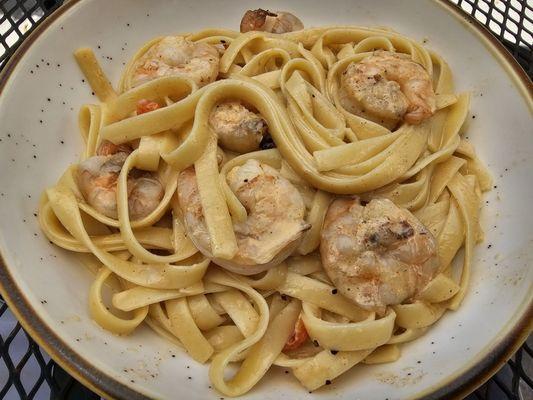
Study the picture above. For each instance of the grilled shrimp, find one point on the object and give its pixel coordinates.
(97, 181)
(175, 55)
(275, 220)
(266, 21)
(388, 88)
(237, 128)
(378, 254)
(107, 148)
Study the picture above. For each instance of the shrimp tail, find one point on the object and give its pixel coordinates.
(254, 20)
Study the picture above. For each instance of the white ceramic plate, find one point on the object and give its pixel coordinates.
(41, 92)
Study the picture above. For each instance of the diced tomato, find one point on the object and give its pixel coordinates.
(299, 336)
(144, 106)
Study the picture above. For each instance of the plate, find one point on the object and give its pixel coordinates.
(47, 288)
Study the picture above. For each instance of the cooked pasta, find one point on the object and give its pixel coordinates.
(292, 199)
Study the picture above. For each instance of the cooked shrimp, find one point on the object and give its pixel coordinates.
(107, 148)
(145, 105)
(97, 180)
(378, 254)
(388, 88)
(266, 21)
(275, 215)
(298, 337)
(175, 55)
(238, 129)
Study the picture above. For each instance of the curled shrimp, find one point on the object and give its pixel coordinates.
(98, 175)
(378, 254)
(388, 88)
(266, 21)
(175, 55)
(275, 220)
(237, 128)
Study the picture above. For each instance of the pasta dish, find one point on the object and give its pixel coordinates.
(277, 196)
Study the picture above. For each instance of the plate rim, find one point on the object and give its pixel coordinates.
(472, 376)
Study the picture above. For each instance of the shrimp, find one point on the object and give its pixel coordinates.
(378, 254)
(238, 129)
(266, 21)
(97, 181)
(275, 220)
(175, 55)
(388, 88)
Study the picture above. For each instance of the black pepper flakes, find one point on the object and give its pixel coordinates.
(334, 291)
(315, 343)
(334, 352)
(328, 382)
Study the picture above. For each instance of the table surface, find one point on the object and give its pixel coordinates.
(27, 372)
